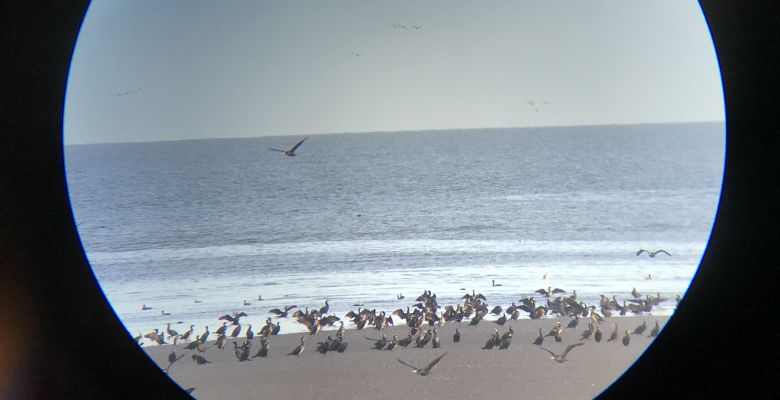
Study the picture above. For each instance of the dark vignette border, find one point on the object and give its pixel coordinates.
(60, 338)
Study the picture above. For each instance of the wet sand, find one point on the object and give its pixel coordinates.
(466, 372)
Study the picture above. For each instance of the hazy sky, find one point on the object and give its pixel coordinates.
(169, 70)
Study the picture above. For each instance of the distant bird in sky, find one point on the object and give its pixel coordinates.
(397, 26)
(427, 369)
(356, 54)
(126, 92)
(652, 253)
(416, 27)
(291, 151)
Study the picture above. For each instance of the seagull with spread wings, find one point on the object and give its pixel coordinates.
(427, 369)
(291, 151)
(652, 253)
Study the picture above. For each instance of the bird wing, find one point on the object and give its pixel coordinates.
(226, 317)
(557, 290)
(288, 308)
(551, 353)
(435, 360)
(241, 314)
(641, 251)
(298, 144)
(568, 349)
(273, 311)
(663, 251)
(414, 369)
(277, 150)
(541, 291)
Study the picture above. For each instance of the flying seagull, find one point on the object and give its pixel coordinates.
(427, 369)
(562, 357)
(291, 152)
(652, 253)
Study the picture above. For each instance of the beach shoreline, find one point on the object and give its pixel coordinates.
(466, 372)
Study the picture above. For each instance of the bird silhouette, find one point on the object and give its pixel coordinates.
(291, 151)
(652, 253)
(427, 369)
(561, 358)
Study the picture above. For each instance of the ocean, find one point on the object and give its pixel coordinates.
(360, 218)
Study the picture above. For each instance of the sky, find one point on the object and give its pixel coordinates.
(149, 70)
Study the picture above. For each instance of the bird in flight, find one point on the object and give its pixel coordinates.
(427, 369)
(562, 357)
(291, 151)
(356, 54)
(652, 253)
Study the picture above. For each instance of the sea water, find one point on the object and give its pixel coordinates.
(361, 218)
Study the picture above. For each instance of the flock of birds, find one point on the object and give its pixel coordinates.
(423, 319)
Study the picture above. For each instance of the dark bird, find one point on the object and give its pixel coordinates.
(549, 292)
(614, 334)
(654, 332)
(641, 328)
(291, 151)
(562, 357)
(635, 293)
(597, 335)
(200, 359)
(342, 345)
(242, 353)
(298, 350)
(539, 339)
(281, 314)
(164, 313)
(496, 284)
(652, 253)
(416, 27)
(627, 338)
(236, 331)
(427, 369)
(506, 340)
(172, 359)
(649, 276)
(356, 54)
(234, 318)
(456, 337)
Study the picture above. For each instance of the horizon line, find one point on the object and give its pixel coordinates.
(401, 131)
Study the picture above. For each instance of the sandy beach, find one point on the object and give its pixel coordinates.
(466, 372)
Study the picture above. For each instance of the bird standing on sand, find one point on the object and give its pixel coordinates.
(427, 369)
(561, 358)
(298, 350)
(200, 359)
(242, 353)
(263, 352)
(641, 328)
(614, 334)
(291, 151)
(456, 336)
(172, 359)
(539, 339)
(652, 253)
(627, 338)
(654, 332)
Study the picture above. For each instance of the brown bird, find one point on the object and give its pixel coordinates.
(560, 358)
(290, 152)
(427, 369)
